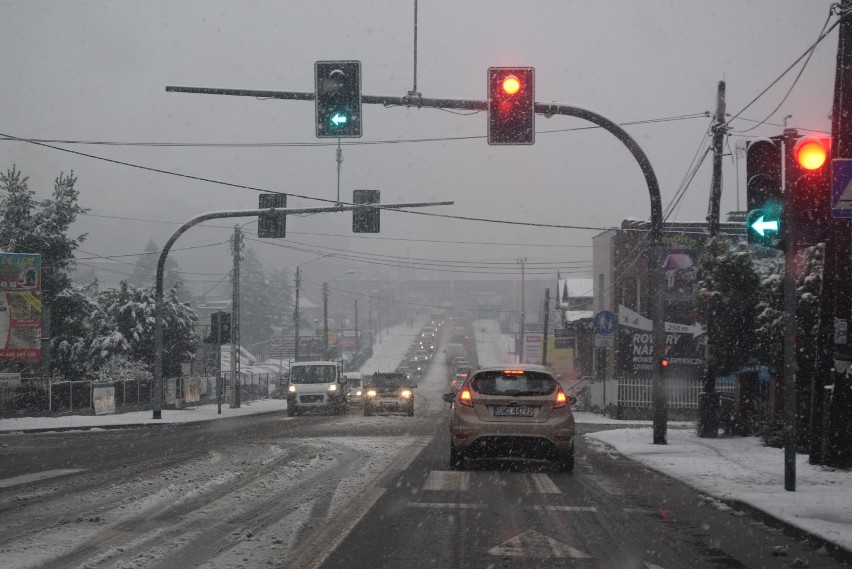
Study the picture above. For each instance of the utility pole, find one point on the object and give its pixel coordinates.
(830, 410)
(708, 405)
(521, 358)
(325, 320)
(219, 363)
(296, 319)
(357, 335)
(236, 249)
(546, 323)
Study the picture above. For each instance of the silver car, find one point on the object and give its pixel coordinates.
(518, 412)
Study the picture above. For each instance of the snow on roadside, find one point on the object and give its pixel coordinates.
(190, 414)
(744, 470)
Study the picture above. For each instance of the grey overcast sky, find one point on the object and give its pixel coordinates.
(97, 71)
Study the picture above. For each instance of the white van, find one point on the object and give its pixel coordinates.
(356, 386)
(317, 384)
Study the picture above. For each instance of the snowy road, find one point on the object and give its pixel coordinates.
(354, 492)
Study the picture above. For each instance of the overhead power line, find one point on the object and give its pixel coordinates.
(155, 144)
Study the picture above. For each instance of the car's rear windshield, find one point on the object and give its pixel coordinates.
(513, 383)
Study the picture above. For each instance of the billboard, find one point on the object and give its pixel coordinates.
(20, 307)
(532, 348)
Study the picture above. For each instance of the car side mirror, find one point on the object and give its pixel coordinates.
(448, 397)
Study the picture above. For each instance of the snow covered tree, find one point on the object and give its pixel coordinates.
(256, 301)
(281, 296)
(133, 311)
(86, 337)
(770, 323)
(145, 271)
(727, 291)
(28, 225)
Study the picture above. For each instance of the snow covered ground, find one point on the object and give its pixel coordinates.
(743, 470)
(192, 414)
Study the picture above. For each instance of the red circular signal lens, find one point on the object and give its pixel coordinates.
(811, 153)
(664, 362)
(511, 84)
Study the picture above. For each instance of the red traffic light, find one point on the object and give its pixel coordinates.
(511, 84)
(511, 105)
(811, 152)
(664, 362)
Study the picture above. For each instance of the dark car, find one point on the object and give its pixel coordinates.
(388, 392)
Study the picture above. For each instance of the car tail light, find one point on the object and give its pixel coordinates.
(561, 399)
(465, 398)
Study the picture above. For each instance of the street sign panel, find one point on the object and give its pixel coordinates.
(604, 323)
(841, 187)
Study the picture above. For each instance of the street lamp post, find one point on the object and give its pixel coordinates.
(296, 312)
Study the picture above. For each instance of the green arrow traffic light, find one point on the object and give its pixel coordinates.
(762, 226)
(339, 119)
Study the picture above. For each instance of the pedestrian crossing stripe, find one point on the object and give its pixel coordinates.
(519, 482)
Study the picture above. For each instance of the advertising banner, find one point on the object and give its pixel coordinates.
(532, 348)
(192, 389)
(104, 400)
(20, 307)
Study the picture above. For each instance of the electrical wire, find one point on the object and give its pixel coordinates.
(8, 138)
(807, 53)
(793, 85)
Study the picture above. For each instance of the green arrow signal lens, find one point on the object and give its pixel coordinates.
(338, 119)
(761, 226)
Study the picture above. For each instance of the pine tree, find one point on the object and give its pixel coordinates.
(256, 301)
(727, 290)
(145, 271)
(31, 226)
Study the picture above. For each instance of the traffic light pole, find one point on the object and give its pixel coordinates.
(655, 257)
(790, 321)
(157, 390)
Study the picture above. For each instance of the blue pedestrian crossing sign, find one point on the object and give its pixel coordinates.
(841, 187)
(604, 323)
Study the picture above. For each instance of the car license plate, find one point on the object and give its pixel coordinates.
(513, 411)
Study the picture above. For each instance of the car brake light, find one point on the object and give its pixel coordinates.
(465, 398)
(561, 399)
(513, 372)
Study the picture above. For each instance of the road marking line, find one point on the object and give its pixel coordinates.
(445, 505)
(36, 476)
(566, 508)
(543, 484)
(531, 543)
(447, 480)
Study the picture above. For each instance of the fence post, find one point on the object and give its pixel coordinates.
(50, 396)
(70, 395)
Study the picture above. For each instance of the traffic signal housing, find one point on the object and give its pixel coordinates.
(511, 105)
(764, 192)
(272, 225)
(338, 99)
(223, 335)
(810, 184)
(366, 219)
